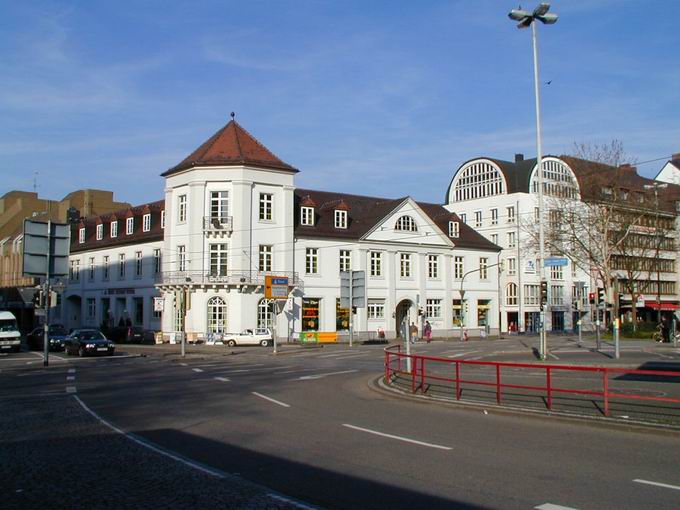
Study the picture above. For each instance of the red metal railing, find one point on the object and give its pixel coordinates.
(420, 377)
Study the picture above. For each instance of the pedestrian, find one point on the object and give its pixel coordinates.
(427, 331)
(414, 332)
(465, 335)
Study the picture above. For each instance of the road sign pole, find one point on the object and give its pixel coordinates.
(351, 315)
(46, 299)
(616, 338)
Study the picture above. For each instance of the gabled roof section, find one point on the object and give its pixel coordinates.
(231, 146)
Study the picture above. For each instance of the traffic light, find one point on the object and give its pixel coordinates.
(620, 299)
(354, 310)
(591, 298)
(544, 292)
(601, 297)
(420, 310)
(38, 299)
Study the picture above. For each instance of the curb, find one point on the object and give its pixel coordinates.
(378, 385)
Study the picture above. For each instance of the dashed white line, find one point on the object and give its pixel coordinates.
(282, 404)
(462, 354)
(658, 484)
(551, 506)
(319, 376)
(223, 379)
(552, 355)
(291, 502)
(70, 377)
(71, 370)
(70, 389)
(398, 438)
(197, 369)
(184, 364)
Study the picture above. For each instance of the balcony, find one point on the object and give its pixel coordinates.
(218, 226)
(175, 279)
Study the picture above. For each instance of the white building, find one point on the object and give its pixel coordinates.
(670, 172)
(232, 216)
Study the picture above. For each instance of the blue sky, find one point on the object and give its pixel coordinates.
(385, 98)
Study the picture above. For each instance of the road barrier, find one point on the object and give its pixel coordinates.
(426, 370)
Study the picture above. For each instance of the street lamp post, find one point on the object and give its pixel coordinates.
(527, 19)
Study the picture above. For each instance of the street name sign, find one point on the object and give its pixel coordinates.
(555, 261)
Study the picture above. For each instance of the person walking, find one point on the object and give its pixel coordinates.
(414, 332)
(427, 331)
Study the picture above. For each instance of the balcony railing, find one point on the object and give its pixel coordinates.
(218, 224)
(230, 278)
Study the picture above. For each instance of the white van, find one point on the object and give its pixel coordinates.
(10, 338)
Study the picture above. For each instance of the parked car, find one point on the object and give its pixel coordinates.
(56, 334)
(88, 341)
(10, 338)
(261, 337)
(131, 335)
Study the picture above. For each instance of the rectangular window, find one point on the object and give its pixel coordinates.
(307, 216)
(121, 265)
(556, 273)
(376, 263)
(454, 229)
(340, 219)
(511, 214)
(100, 232)
(74, 271)
(218, 259)
(457, 313)
(433, 266)
(138, 307)
(138, 264)
(345, 260)
(310, 313)
(162, 219)
(91, 308)
(463, 217)
(157, 260)
(341, 316)
(458, 267)
(512, 266)
(483, 265)
(91, 275)
(494, 238)
(105, 267)
(182, 209)
(478, 218)
(219, 205)
(375, 309)
(531, 294)
(129, 226)
(312, 261)
(512, 240)
(537, 214)
(266, 204)
(181, 258)
(494, 216)
(114, 228)
(81, 236)
(433, 308)
(405, 265)
(146, 222)
(556, 295)
(265, 257)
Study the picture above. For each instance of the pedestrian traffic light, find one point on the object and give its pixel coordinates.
(601, 298)
(544, 292)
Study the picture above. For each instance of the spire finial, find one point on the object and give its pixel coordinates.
(232, 114)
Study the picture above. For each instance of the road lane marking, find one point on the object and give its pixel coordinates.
(658, 484)
(295, 370)
(145, 444)
(289, 501)
(462, 354)
(197, 370)
(270, 399)
(70, 377)
(398, 438)
(550, 506)
(552, 355)
(223, 379)
(71, 370)
(70, 389)
(319, 376)
(184, 364)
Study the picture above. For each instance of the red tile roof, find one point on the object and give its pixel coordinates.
(232, 145)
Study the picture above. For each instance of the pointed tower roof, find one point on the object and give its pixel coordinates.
(231, 146)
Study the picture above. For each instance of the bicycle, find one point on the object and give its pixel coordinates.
(657, 336)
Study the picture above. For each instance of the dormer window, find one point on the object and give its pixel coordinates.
(129, 226)
(406, 223)
(114, 228)
(306, 216)
(454, 229)
(607, 192)
(81, 235)
(146, 222)
(340, 219)
(100, 232)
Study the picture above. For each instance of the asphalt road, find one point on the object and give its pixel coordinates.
(306, 424)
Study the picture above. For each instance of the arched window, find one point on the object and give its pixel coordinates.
(511, 294)
(406, 223)
(478, 180)
(265, 313)
(558, 180)
(217, 315)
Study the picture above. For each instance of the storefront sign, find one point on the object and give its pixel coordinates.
(530, 267)
(158, 304)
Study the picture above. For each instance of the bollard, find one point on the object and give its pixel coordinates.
(616, 338)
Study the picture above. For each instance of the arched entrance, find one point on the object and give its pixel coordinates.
(402, 317)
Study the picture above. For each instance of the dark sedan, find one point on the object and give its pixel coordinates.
(88, 341)
(56, 335)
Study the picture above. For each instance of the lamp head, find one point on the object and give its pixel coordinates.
(548, 18)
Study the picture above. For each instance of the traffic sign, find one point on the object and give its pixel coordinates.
(276, 287)
(555, 261)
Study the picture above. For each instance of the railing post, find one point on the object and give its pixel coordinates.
(549, 384)
(387, 367)
(605, 391)
(399, 357)
(414, 374)
(498, 384)
(458, 380)
(422, 376)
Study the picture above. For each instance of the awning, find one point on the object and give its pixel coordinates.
(663, 305)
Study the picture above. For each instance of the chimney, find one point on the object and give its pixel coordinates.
(628, 167)
(519, 157)
(676, 155)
